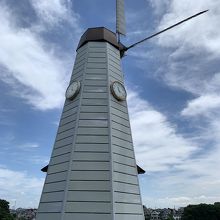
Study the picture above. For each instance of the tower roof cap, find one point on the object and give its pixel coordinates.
(100, 34)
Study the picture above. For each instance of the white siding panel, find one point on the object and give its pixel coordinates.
(88, 216)
(92, 139)
(67, 127)
(96, 102)
(123, 151)
(52, 197)
(47, 216)
(89, 185)
(95, 82)
(56, 177)
(128, 217)
(93, 123)
(121, 127)
(92, 147)
(124, 160)
(60, 159)
(50, 207)
(122, 143)
(95, 95)
(63, 142)
(65, 134)
(96, 71)
(97, 54)
(95, 77)
(58, 168)
(128, 208)
(120, 177)
(92, 156)
(120, 120)
(123, 187)
(94, 108)
(90, 175)
(88, 207)
(89, 196)
(52, 187)
(127, 198)
(91, 131)
(82, 165)
(125, 169)
(97, 59)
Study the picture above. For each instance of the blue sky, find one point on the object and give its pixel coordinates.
(173, 84)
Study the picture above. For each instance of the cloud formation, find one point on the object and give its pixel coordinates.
(189, 61)
(20, 187)
(32, 69)
(182, 166)
(54, 12)
(157, 143)
(202, 105)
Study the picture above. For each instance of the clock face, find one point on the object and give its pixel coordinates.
(118, 91)
(73, 90)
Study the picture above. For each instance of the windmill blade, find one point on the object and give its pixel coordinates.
(166, 29)
(120, 17)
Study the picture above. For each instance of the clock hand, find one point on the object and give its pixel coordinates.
(119, 89)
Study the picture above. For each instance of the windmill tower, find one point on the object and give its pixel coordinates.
(92, 173)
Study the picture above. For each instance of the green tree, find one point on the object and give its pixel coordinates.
(146, 214)
(170, 217)
(202, 212)
(4, 210)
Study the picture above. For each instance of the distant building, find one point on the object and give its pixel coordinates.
(27, 214)
(155, 215)
(147, 212)
(177, 214)
(165, 214)
(162, 214)
(177, 217)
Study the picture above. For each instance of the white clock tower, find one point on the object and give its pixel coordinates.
(92, 173)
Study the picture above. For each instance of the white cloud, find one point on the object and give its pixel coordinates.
(53, 12)
(208, 101)
(29, 64)
(185, 165)
(202, 105)
(157, 143)
(34, 71)
(193, 46)
(28, 146)
(19, 186)
(192, 63)
(198, 32)
(159, 6)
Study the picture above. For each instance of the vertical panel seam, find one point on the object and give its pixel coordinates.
(110, 134)
(74, 137)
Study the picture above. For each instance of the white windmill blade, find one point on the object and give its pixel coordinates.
(120, 17)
